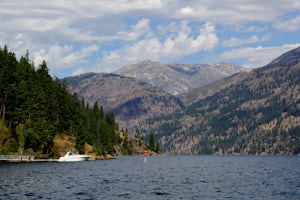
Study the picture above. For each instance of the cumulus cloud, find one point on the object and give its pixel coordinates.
(142, 28)
(174, 46)
(63, 57)
(74, 35)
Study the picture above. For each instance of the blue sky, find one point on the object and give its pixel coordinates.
(75, 37)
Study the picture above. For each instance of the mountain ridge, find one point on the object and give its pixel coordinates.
(135, 100)
(250, 112)
(176, 79)
(255, 113)
(131, 100)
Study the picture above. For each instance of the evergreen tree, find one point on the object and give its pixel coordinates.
(34, 108)
(152, 141)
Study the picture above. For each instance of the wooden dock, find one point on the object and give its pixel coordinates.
(23, 158)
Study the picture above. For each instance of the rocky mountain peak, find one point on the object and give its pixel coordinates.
(178, 78)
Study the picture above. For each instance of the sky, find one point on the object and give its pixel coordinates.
(80, 36)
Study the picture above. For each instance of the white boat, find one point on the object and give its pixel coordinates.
(72, 157)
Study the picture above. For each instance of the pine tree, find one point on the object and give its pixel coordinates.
(152, 141)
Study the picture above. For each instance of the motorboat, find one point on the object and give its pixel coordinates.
(72, 157)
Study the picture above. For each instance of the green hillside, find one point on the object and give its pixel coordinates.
(34, 108)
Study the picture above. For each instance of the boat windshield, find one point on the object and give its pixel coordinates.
(70, 153)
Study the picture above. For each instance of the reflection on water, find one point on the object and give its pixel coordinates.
(161, 177)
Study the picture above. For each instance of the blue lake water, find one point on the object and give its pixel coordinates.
(162, 177)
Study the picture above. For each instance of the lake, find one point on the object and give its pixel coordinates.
(161, 177)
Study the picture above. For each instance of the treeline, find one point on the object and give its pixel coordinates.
(34, 108)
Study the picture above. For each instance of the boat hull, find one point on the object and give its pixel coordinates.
(71, 157)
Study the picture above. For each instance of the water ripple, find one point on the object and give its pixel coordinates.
(165, 177)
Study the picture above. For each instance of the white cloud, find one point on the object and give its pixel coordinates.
(68, 33)
(188, 11)
(250, 29)
(234, 42)
(78, 71)
(232, 12)
(288, 25)
(256, 57)
(142, 28)
(173, 28)
(173, 47)
(62, 57)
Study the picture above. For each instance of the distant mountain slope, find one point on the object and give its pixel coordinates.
(200, 93)
(255, 113)
(287, 59)
(131, 100)
(178, 78)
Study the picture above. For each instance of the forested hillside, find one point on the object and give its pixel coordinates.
(254, 113)
(131, 100)
(34, 108)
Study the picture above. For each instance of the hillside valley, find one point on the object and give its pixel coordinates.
(131, 100)
(246, 112)
(253, 113)
(146, 90)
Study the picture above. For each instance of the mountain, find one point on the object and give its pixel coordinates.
(178, 78)
(250, 112)
(197, 94)
(132, 101)
(256, 112)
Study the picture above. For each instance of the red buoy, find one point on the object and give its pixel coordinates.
(145, 152)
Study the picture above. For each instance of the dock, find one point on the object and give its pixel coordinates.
(23, 158)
